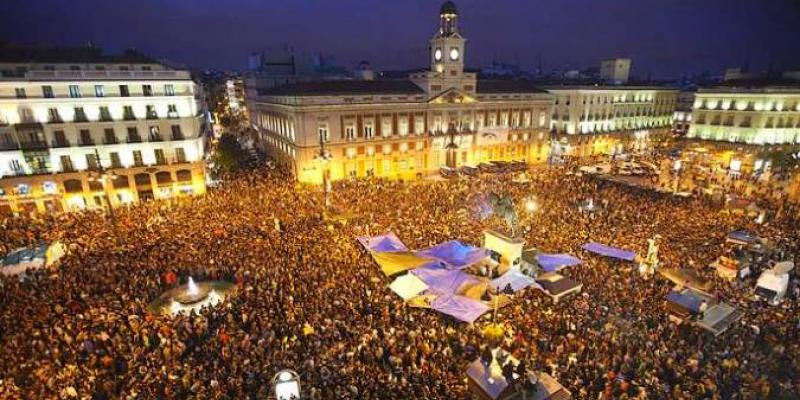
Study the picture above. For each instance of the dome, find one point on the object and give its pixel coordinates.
(448, 8)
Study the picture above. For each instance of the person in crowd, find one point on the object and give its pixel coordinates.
(311, 299)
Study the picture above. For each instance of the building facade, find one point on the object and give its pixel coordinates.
(594, 120)
(615, 71)
(682, 117)
(83, 130)
(406, 128)
(747, 115)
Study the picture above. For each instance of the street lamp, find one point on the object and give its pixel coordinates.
(324, 156)
(287, 385)
(102, 176)
(531, 206)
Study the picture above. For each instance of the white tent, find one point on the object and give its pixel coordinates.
(408, 286)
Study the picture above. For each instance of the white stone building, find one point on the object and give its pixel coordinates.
(66, 116)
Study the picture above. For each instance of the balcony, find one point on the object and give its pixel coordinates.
(87, 142)
(178, 136)
(155, 138)
(134, 139)
(110, 141)
(9, 146)
(60, 144)
(33, 145)
(129, 117)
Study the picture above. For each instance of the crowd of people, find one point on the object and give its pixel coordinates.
(309, 298)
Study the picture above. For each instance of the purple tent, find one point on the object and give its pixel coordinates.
(609, 251)
(444, 281)
(455, 254)
(516, 279)
(554, 262)
(382, 243)
(459, 307)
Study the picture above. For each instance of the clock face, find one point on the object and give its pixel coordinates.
(454, 54)
(437, 54)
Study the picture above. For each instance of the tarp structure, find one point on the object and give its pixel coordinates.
(686, 300)
(609, 251)
(445, 281)
(455, 254)
(742, 237)
(554, 262)
(516, 279)
(459, 307)
(392, 263)
(408, 286)
(24, 258)
(382, 243)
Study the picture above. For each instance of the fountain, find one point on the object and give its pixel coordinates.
(191, 297)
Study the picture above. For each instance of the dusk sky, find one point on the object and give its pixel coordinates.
(663, 37)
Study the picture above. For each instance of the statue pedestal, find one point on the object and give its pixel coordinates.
(509, 248)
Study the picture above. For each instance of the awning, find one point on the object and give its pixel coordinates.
(456, 254)
(609, 251)
(408, 286)
(460, 307)
(382, 243)
(554, 262)
(392, 263)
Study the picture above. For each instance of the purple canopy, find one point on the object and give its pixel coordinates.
(460, 307)
(444, 281)
(554, 262)
(609, 251)
(516, 279)
(455, 254)
(382, 243)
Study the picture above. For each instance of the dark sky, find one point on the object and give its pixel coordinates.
(664, 37)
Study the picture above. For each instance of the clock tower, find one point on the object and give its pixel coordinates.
(446, 57)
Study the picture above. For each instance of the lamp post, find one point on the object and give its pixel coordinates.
(102, 177)
(287, 385)
(324, 157)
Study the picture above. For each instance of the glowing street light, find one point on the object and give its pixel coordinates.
(287, 385)
(531, 206)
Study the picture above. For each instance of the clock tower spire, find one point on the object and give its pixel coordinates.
(447, 57)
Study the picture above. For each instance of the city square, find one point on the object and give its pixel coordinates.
(437, 233)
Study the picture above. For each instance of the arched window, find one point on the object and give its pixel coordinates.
(184, 175)
(163, 177)
(142, 179)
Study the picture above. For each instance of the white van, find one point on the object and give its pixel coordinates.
(773, 283)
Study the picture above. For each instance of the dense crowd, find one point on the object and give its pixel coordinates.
(309, 298)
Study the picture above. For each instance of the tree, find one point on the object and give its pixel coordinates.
(229, 155)
(783, 160)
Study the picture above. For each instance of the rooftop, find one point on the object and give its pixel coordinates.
(508, 86)
(66, 55)
(344, 87)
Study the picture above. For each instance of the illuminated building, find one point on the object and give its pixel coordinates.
(751, 116)
(615, 70)
(682, 117)
(443, 116)
(591, 119)
(62, 108)
(744, 121)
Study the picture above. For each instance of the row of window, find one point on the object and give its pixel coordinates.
(99, 91)
(104, 115)
(608, 99)
(110, 136)
(746, 105)
(40, 163)
(746, 121)
(119, 182)
(606, 116)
